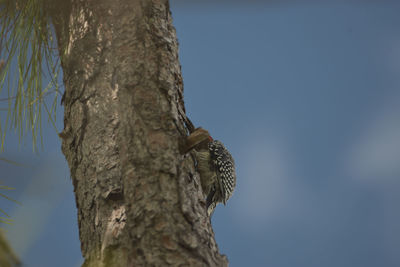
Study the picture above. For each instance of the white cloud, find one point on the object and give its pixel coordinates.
(263, 191)
(375, 159)
(376, 154)
(41, 196)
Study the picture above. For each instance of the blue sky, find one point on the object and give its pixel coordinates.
(307, 98)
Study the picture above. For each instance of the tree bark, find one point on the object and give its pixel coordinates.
(139, 201)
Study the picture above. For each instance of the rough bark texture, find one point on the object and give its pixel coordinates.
(139, 200)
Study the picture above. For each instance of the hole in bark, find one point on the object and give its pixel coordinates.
(140, 252)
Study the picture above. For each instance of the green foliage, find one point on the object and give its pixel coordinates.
(6, 219)
(27, 53)
(7, 255)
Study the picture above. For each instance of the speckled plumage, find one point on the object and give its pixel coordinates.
(217, 170)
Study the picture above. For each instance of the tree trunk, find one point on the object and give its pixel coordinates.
(139, 200)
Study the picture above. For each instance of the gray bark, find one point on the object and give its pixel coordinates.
(139, 200)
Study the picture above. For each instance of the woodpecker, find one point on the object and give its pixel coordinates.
(216, 167)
